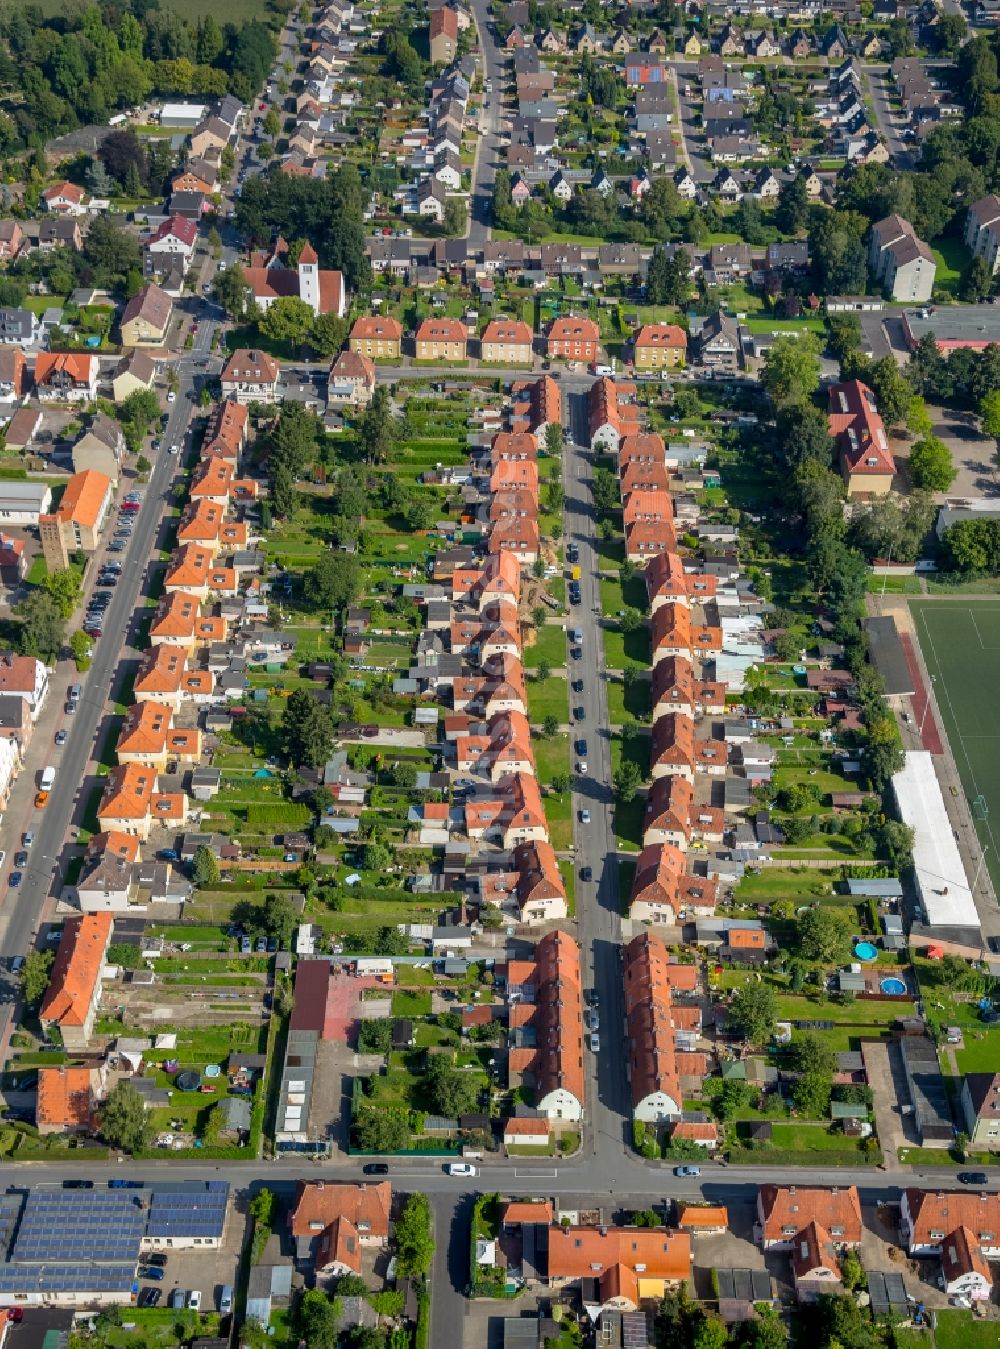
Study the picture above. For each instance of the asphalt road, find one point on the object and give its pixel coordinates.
(902, 157)
(23, 909)
(481, 202)
(597, 901)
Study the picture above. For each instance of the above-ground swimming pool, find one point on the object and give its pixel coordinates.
(866, 951)
(894, 987)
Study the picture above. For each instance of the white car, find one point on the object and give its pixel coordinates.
(461, 1169)
(171, 397)
(194, 1300)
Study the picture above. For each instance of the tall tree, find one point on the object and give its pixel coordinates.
(791, 368)
(124, 1122)
(931, 466)
(307, 730)
(754, 1012)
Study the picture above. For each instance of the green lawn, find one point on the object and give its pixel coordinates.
(981, 1054)
(811, 1138)
(634, 701)
(548, 697)
(960, 1330)
(802, 884)
(615, 596)
(559, 813)
(628, 824)
(549, 647)
(959, 642)
(952, 258)
(408, 1002)
(551, 756)
(626, 648)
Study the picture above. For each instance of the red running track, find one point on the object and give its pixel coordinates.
(931, 737)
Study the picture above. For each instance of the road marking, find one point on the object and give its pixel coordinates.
(535, 1175)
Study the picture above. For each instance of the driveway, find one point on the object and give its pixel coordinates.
(973, 454)
(884, 1070)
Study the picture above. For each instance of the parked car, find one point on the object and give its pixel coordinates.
(584, 816)
(16, 878)
(60, 737)
(586, 873)
(178, 1299)
(152, 1272)
(973, 1178)
(375, 1169)
(149, 1297)
(460, 1169)
(685, 1171)
(194, 1300)
(41, 800)
(595, 1044)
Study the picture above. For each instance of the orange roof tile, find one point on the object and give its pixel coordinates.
(527, 1211)
(127, 793)
(786, 1209)
(176, 615)
(65, 1099)
(189, 565)
(691, 1217)
(145, 729)
(160, 670)
(77, 969)
(319, 1203)
(526, 1127)
(84, 498)
(582, 1252)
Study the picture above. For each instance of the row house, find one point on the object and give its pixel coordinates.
(672, 815)
(178, 621)
(545, 1017)
(668, 582)
(132, 804)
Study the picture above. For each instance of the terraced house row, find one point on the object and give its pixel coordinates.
(200, 635)
(500, 813)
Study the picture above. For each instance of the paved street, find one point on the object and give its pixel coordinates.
(879, 88)
(25, 909)
(597, 902)
(485, 168)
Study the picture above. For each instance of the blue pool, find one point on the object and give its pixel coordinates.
(865, 950)
(894, 987)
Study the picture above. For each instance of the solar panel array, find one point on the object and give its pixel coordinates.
(88, 1241)
(43, 1278)
(198, 1211)
(70, 1226)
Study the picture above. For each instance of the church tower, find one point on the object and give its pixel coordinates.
(309, 277)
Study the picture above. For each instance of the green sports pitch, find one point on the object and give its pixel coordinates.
(960, 644)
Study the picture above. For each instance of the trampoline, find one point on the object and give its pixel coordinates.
(189, 1080)
(864, 950)
(894, 987)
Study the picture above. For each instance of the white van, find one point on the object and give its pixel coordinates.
(48, 778)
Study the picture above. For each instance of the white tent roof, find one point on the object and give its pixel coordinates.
(941, 880)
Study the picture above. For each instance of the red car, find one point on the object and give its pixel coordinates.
(15, 1313)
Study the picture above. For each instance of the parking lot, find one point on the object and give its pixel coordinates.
(203, 1270)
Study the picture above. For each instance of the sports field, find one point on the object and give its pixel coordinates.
(960, 644)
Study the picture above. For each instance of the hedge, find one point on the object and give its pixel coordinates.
(791, 1157)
